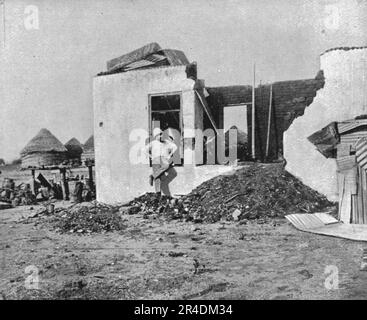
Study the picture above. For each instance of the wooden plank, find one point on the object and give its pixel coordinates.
(253, 114)
(207, 110)
(351, 179)
(345, 210)
(364, 192)
(354, 209)
(345, 163)
(343, 149)
(360, 191)
(269, 122)
(341, 192)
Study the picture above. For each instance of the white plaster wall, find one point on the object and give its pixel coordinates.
(343, 97)
(120, 106)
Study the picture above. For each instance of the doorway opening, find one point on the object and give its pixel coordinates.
(165, 113)
(235, 117)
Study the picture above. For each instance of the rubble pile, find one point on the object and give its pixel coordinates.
(16, 195)
(87, 218)
(258, 191)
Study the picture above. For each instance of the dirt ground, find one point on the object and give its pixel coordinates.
(154, 259)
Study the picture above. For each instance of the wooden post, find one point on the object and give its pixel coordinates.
(269, 123)
(90, 171)
(253, 118)
(65, 184)
(33, 183)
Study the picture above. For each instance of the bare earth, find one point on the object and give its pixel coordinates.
(153, 259)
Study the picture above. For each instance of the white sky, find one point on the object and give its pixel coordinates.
(46, 74)
(235, 116)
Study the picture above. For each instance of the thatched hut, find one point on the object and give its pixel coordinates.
(74, 148)
(242, 144)
(44, 150)
(88, 149)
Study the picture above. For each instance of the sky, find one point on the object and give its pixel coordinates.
(47, 64)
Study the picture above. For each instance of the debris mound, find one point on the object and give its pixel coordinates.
(87, 218)
(257, 191)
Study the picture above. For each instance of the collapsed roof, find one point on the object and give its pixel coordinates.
(149, 56)
(327, 139)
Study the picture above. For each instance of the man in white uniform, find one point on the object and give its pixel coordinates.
(161, 152)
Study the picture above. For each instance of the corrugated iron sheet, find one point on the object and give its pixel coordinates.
(149, 61)
(175, 57)
(346, 126)
(133, 56)
(148, 56)
(361, 153)
(353, 137)
(325, 218)
(343, 149)
(305, 221)
(346, 162)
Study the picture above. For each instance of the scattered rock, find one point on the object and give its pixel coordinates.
(194, 228)
(306, 274)
(86, 219)
(236, 214)
(176, 254)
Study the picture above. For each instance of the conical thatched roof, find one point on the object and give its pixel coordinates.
(89, 144)
(242, 146)
(88, 150)
(74, 147)
(44, 141)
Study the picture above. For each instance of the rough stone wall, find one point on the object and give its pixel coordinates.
(344, 96)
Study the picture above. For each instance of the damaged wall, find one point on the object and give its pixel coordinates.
(343, 97)
(290, 98)
(121, 105)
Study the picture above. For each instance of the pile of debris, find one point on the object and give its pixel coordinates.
(258, 191)
(87, 218)
(16, 195)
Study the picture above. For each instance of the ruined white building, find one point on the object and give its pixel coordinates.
(125, 106)
(343, 97)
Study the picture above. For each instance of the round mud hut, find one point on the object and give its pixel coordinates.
(44, 150)
(74, 148)
(88, 150)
